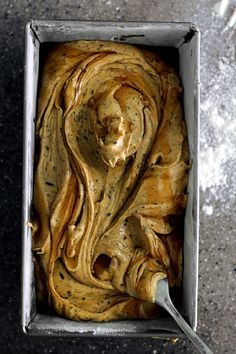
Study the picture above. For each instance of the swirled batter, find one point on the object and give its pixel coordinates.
(110, 180)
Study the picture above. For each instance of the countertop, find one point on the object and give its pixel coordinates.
(217, 261)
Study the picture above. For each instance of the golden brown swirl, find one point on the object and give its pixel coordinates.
(110, 180)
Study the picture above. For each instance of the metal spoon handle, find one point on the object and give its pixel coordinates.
(202, 347)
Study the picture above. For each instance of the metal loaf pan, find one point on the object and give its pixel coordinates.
(183, 36)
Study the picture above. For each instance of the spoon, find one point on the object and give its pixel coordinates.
(162, 298)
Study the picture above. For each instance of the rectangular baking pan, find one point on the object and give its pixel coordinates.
(186, 38)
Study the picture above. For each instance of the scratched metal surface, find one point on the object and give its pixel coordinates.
(216, 20)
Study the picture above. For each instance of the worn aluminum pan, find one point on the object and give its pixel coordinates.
(185, 37)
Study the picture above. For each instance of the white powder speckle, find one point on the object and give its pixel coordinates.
(207, 209)
(212, 172)
(206, 105)
(216, 119)
(217, 163)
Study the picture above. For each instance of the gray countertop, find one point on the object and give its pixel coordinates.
(217, 268)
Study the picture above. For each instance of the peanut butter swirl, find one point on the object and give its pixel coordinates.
(110, 180)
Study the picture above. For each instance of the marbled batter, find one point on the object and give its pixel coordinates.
(110, 181)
